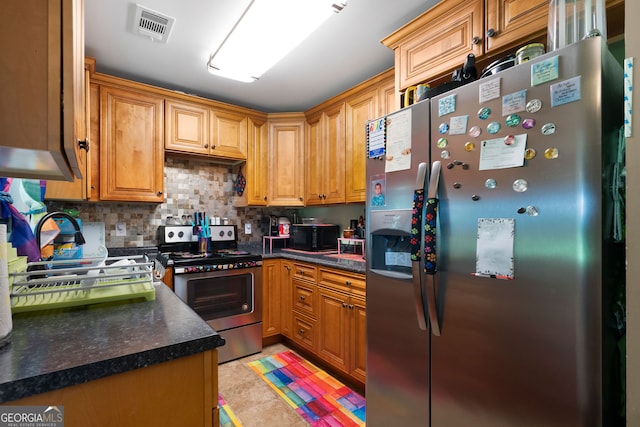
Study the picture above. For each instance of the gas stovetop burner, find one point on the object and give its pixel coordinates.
(180, 245)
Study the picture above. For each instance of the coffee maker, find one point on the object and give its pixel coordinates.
(273, 226)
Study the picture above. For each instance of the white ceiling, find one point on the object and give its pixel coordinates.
(341, 54)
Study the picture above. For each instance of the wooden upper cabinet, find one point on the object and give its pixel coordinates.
(81, 189)
(131, 145)
(437, 41)
(197, 128)
(255, 169)
(186, 126)
(228, 134)
(387, 97)
(286, 159)
(325, 157)
(510, 22)
(42, 85)
(359, 109)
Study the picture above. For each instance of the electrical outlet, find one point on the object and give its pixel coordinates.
(121, 229)
(247, 228)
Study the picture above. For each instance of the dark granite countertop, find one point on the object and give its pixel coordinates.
(59, 348)
(346, 263)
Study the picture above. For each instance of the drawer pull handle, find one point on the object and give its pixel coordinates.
(301, 331)
(301, 297)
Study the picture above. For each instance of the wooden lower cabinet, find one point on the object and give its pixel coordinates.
(179, 392)
(271, 298)
(304, 331)
(342, 322)
(286, 284)
(323, 311)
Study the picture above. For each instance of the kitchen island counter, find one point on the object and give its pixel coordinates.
(53, 349)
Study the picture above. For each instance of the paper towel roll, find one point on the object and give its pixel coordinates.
(5, 303)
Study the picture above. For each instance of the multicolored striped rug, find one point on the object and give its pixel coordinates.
(319, 398)
(227, 417)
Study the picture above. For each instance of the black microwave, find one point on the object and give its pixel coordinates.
(314, 237)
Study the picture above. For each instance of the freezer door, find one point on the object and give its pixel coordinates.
(519, 247)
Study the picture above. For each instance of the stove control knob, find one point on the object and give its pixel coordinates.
(181, 234)
(221, 233)
(229, 233)
(170, 234)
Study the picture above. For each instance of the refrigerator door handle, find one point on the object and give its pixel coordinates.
(430, 266)
(416, 241)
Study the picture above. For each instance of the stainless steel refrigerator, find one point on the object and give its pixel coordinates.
(510, 176)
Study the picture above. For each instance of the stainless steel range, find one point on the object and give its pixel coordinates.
(223, 285)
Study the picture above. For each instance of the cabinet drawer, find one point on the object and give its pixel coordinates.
(341, 281)
(305, 272)
(305, 296)
(304, 331)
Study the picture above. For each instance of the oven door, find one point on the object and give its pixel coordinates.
(224, 299)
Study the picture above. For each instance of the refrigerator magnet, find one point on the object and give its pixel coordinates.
(544, 71)
(565, 92)
(514, 102)
(378, 187)
(458, 125)
(446, 105)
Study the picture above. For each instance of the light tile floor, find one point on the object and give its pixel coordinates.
(252, 400)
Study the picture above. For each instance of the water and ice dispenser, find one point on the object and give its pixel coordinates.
(390, 246)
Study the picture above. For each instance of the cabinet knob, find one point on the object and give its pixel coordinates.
(344, 304)
(159, 193)
(265, 198)
(320, 196)
(475, 40)
(348, 283)
(301, 331)
(213, 146)
(300, 198)
(301, 297)
(491, 32)
(83, 145)
(350, 306)
(206, 145)
(287, 267)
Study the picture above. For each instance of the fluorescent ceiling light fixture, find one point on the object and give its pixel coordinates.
(265, 33)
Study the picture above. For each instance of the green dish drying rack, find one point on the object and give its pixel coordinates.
(67, 283)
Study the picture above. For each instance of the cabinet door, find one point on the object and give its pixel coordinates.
(358, 110)
(286, 160)
(314, 162)
(256, 166)
(80, 188)
(228, 134)
(358, 328)
(286, 283)
(334, 159)
(333, 328)
(186, 127)
(437, 41)
(387, 98)
(509, 22)
(271, 297)
(131, 146)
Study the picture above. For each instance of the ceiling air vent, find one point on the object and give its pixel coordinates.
(152, 24)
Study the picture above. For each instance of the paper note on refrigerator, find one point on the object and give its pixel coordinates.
(502, 153)
(494, 248)
(398, 141)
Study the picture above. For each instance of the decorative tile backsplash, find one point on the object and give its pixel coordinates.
(190, 185)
